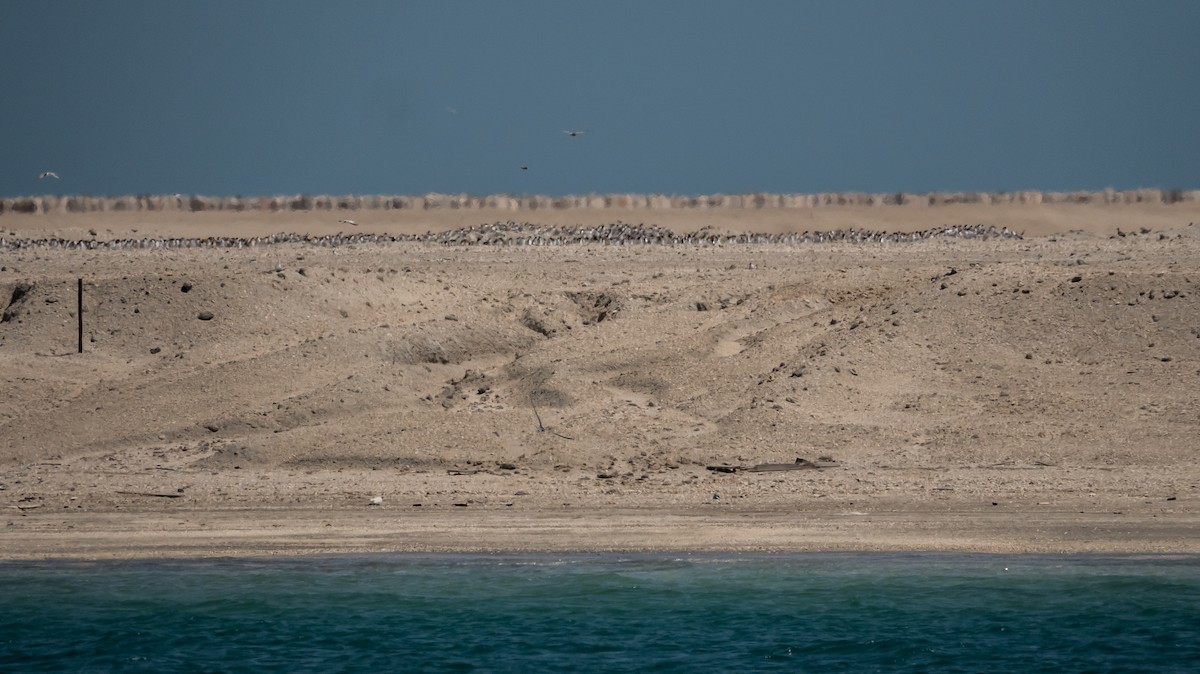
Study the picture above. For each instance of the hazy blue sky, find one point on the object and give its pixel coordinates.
(684, 96)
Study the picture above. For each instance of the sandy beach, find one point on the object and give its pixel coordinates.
(1003, 395)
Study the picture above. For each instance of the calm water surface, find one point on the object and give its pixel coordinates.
(686, 613)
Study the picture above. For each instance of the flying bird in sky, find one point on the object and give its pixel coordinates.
(524, 167)
(574, 133)
(348, 222)
(47, 174)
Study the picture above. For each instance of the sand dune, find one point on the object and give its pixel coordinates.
(1035, 394)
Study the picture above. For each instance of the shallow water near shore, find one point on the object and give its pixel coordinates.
(606, 612)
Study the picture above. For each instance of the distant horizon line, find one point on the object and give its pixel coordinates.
(577, 195)
(42, 204)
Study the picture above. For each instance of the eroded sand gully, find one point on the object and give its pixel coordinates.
(1002, 395)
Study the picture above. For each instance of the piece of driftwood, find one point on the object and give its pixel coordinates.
(768, 467)
(22, 507)
(798, 464)
(724, 469)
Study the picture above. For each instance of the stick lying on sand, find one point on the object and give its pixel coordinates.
(540, 427)
(798, 464)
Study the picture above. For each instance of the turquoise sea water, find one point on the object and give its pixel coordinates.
(685, 613)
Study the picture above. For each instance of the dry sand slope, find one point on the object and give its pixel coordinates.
(1002, 395)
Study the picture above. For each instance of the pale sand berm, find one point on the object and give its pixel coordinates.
(1003, 395)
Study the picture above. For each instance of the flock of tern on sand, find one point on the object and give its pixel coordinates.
(962, 230)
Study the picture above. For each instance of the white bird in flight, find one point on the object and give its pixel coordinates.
(574, 133)
(348, 222)
(47, 174)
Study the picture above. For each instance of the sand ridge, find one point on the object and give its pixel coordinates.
(1006, 395)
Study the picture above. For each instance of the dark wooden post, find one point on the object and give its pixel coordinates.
(79, 312)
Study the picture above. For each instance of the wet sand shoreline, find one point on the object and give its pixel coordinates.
(267, 533)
